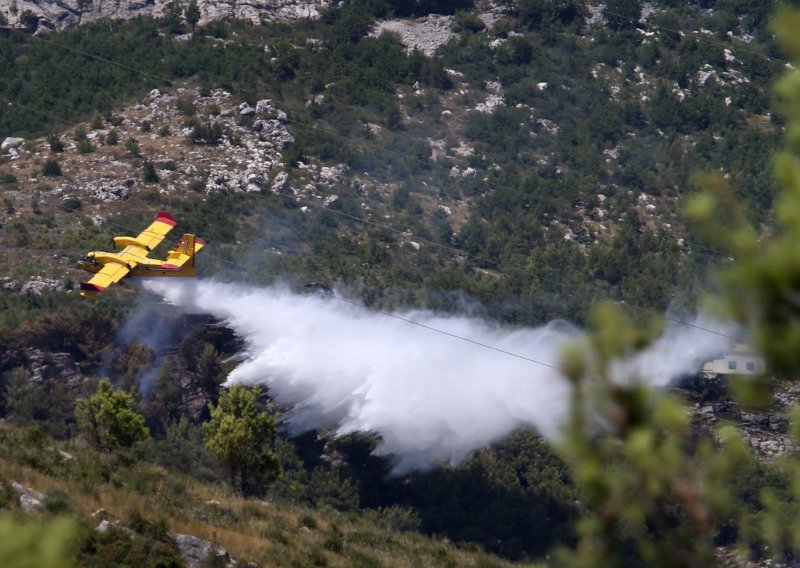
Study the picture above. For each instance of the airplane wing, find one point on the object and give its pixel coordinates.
(157, 230)
(111, 273)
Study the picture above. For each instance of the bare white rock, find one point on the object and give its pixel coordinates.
(281, 183)
(197, 552)
(29, 499)
(36, 285)
(333, 174)
(60, 14)
(11, 142)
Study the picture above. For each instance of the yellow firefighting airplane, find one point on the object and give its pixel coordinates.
(111, 267)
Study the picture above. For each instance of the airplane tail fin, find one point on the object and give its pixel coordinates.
(182, 257)
(187, 243)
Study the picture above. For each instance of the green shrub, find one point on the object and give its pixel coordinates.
(97, 122)
(308, 521)
(56, 145)
(132, 146)
(57, 502)
(71, 204)
(149, 173)
(334, 542)
(468, 21)
(397, 518)
(185, 106)
(51, 168)
(85, 146)
(206, 133)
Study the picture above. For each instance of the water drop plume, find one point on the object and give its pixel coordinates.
(430, 397)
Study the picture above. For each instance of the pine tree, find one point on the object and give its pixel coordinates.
(109, 418)
(192, 14)
(240, 435)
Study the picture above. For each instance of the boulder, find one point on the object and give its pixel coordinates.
(281, 184)
(36, 285)
(332, 175)
(11, 142)
(274, 131)
(197, 552)
(29, 499)
(263, 106)
(29, 504)
(9, 284)
(106, 525)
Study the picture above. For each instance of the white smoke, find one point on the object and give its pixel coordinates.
(429, 396)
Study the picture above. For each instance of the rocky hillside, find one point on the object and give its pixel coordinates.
(46, 15)
(519, 160)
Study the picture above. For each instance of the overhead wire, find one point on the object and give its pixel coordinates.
(409, 320)
(340, 298)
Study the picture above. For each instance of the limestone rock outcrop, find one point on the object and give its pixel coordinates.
(60, 14)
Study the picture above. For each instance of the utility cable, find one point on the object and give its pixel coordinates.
(333, 296)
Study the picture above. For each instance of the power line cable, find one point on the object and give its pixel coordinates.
(385, 313)
(435, 244)
(353, 217)
(99, 58)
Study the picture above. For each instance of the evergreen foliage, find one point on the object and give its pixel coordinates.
(240, 436)
(192, 14)
(33, 544)
(51, 168)
(109, 418)
(658, 495)
(149, 173)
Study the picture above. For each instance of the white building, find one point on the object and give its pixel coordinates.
(743, 360)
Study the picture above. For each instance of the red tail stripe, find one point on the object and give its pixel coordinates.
(167, 218)
(170, 267)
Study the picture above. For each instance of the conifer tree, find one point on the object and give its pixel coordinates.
(240, 436)
(109, 418)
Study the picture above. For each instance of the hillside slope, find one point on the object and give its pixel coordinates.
(516, 160)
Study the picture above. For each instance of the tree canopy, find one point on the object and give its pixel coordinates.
(240, 435)
(109, 418)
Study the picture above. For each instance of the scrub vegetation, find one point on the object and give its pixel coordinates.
(571, 193)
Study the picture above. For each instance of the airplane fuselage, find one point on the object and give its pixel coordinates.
(95, 261)
(134, 260)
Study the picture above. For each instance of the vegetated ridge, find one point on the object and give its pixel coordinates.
(532, 155)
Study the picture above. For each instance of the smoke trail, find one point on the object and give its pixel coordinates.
(429, 396)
